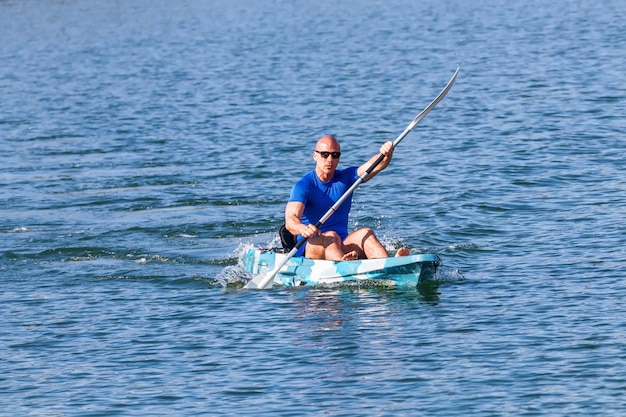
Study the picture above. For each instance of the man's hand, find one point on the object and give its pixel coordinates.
(387, 149)
(309, 231)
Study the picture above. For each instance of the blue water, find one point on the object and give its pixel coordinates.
(146, 144)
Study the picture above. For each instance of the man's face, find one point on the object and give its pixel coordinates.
(326, 158)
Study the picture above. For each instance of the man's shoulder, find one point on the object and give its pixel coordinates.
(308, 177)
(350, 172)
(306, 180)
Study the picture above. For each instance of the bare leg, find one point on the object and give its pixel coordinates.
(361, 243)
(325, 246)
(365, 243)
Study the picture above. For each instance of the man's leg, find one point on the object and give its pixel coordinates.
(367, 245)
(326, 246)
(365, 242)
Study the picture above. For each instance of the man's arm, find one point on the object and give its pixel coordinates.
(293, 214)
(387, 151)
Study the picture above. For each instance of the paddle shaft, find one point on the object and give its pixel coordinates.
(264, 281)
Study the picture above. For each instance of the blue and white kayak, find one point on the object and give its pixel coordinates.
(402, 271)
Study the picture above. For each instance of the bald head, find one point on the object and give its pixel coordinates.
(326, 157)
(328, 143)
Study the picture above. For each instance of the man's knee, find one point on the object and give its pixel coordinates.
(364, 233)
(330, 237)
(325, 239)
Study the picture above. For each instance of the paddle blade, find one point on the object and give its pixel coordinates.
(261, 282)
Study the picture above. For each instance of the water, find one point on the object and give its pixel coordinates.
(146, 144)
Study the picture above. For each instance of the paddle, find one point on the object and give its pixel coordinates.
(265, 281)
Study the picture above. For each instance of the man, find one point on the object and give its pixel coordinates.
(317, 191)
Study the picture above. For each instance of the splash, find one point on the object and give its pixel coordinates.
(235, 276)
(448, 274)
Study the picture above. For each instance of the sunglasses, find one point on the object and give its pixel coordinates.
(325, 154)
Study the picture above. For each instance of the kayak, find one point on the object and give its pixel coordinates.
(402, 271)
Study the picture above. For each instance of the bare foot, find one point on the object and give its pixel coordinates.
(403, 252)
(350, 256)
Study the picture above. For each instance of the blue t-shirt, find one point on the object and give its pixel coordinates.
(319, 196)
